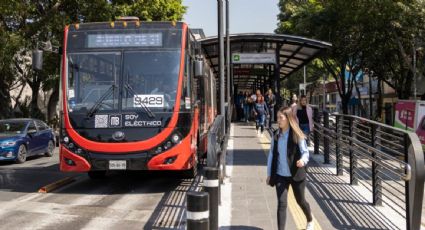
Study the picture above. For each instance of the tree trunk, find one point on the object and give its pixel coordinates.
(5, 105)
(344, 103)
(53, 103)
(35, 87)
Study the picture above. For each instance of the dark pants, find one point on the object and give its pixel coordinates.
(298, 187)
(306, 130)
(271, 118)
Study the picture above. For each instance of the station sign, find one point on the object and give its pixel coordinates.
(250, 71)
(253, 58)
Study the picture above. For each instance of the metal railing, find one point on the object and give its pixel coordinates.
(216, 150)
(386, 160)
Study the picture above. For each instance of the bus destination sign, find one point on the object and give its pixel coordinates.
(124, 40)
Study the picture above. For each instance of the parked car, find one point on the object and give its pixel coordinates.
(20, 138)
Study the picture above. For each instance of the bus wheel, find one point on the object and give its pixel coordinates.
(191, 173)
(96, 175)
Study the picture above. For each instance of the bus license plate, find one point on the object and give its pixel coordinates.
(117, 165)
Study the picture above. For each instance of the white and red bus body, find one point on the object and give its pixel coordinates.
(130, 100)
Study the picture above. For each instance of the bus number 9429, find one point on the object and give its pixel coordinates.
(148, 100)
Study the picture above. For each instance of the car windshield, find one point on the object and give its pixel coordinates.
(12, 127)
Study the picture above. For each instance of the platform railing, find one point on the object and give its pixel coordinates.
(216, 150)
(386, 160)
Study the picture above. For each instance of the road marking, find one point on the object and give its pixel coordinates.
(295, 210)
(225, 208)
(57, 184)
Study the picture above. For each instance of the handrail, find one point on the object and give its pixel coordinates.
(381, 145)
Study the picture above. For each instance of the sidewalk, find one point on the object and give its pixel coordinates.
(248, 203)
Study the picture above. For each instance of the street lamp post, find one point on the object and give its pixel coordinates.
(414, 70)
(221, 57)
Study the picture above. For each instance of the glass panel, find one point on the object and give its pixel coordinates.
(11, 128)
(93, 81)
(151, 78)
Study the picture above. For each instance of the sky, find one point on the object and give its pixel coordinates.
(246, 16)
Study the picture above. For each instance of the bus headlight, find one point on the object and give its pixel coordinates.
(66, 140)
(158, 150)
(167, 145)
(175, 138)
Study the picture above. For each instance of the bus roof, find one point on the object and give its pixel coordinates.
(125, 25)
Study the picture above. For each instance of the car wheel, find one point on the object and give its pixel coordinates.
(96, 175)
(22, 154)
(50, 149)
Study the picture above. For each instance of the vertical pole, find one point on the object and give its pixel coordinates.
(326, 136)
(197, 214)
(324, 92)
(228, 81)
(370, 97)
(305, 80)
(414, 70)
(211, 186)
(406, 183)
(316, 140)
(221, 58)
(277, 76)
(376, 182)
(339, 160)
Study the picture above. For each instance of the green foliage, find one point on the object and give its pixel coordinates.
(377, 35)
(26, 25)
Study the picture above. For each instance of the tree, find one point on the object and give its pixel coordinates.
(26, 25)
(365, 34)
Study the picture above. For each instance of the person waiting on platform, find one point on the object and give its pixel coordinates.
(286, 165)
(261, 112)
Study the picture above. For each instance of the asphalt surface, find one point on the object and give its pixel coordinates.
(139, 200)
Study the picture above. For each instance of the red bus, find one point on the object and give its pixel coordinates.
(130, 98)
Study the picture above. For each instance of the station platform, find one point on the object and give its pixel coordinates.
(248, 203)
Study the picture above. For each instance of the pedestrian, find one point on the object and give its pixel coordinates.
(304, 114)
(294, 101)
(254, 97)
(260, 112)
(271, 102)
(286, 165)
(239, 105)
(246, 106)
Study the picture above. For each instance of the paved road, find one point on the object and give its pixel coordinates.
(153, 200)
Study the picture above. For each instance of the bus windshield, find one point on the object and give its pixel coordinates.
(91, 77)
(147, 79)
(151, 78)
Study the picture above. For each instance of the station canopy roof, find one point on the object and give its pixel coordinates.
(295, 51)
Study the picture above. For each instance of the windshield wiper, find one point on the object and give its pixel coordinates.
(148, 111)
(100, 100)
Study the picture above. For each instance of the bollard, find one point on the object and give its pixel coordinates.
(197, 214)
(211, 185)
(316, 140)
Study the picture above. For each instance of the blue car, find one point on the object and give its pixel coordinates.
(20, 138)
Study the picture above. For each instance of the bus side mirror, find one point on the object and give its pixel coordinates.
(199, 68)
(37, 59)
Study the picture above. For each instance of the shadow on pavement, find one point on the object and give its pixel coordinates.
(239, 227)
(344, 206)
(170, 213)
